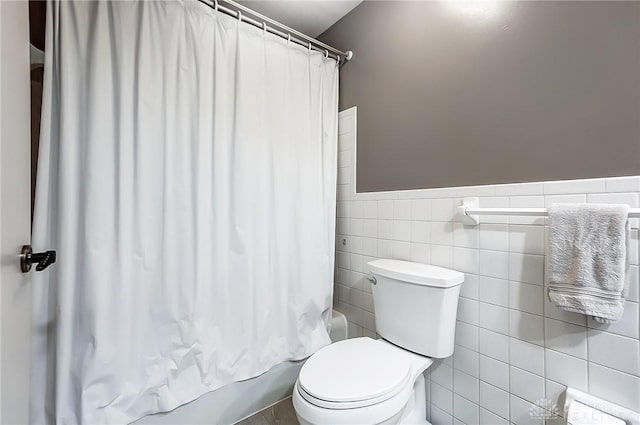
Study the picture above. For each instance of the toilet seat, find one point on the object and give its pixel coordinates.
(350, 404)
(311, 413)
(327, 393)
(354, 373)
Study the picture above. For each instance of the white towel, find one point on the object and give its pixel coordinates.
(587, 259)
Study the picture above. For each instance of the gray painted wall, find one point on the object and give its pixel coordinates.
(456, 93)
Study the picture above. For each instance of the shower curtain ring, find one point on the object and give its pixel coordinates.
(264, 27)
(326, 54)
(309, 47)
(288, 39)
(215, 5)
(239, 16)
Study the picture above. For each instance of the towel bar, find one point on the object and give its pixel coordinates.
(469, 212)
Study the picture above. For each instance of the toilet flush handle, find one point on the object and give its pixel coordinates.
(372, 279)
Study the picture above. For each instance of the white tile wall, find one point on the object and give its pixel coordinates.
(513, 347)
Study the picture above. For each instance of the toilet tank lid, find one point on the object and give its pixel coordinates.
(420, 274)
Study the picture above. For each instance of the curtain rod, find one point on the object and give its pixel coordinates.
(283, 31)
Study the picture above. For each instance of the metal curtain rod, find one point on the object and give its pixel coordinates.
(283, 31)
(469, 211)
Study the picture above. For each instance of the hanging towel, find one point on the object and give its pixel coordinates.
(587, 259)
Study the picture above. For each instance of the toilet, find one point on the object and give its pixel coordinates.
(367, 381)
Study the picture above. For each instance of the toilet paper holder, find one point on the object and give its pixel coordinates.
(628, 416)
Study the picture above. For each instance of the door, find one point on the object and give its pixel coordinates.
(15, 192)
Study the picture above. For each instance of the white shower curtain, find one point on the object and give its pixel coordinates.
(186, 178)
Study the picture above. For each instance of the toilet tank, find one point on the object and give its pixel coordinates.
(416, 305)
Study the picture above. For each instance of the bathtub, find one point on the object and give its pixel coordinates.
(238, 400)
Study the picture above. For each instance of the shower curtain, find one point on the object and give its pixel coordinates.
(187, 180)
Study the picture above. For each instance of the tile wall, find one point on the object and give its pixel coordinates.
(513, 348)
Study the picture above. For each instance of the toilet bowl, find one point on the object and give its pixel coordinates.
(362, 381)
(365, 381)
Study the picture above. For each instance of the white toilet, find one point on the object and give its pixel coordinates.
(366, 381)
